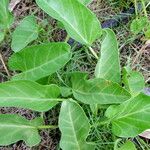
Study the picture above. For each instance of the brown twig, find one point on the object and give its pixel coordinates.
(138, 55)
(3, 63)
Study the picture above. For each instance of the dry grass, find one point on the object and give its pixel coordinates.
(134, 51)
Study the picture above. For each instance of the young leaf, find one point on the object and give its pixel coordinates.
(14, 128)
(80, 23)
(26, 32)
(108, 66)
(6, 18)
(74, 126)
(39, 61)
(134, 81)
(131, 117)
(1, 36)
(28, 95)
(97, 91)
(138, 25)
(127, 146)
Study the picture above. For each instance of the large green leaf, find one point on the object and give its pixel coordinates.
(6, 18)
(97, 91)
(127, 146)
(108, 66)
(29, 95)
(134, 81)
(74, 127)
(14, 128)
(85, 2)
(131, 117)
(39, 61)
(80, 23)
(26, 32)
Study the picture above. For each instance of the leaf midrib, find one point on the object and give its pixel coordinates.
(133, 113)
(31, 99)
(100, 93)
(16, 126)
(74, 132)
(40, 66)
(69, 24)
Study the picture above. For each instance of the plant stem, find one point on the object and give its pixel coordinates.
(93, 52)
(60, 78)
(147, 4)
(116, 144)
(47, 127)
(90, 48)
(144, 8)
(3, 63)
(135, 5)
(102, 123)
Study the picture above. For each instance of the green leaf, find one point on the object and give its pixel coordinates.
(147, 32)
(39, 61)
(28, 95)
(97, 91)
(6, 18)
(128, 146)
(74, 127)
(108, 66)
(25, 33)
(85, 2)
(14, 128)
(80, 23)
(1, 36)
(131, 117)
(65, 91)
(134, 81)
(138, 25)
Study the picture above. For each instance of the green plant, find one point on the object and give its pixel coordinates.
(127, 108)
(141, 23)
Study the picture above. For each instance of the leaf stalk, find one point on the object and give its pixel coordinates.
(93, 52)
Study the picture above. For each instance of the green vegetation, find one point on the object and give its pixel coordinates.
(111, 99)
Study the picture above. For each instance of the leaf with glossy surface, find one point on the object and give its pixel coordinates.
(6, 18)
(134, 81)
(25, 33)
(74, 127)
(97, 91)
(108, 66)
(14, 128)
(28, 95)
(48, 58)
(131, 117)
(80, 23)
